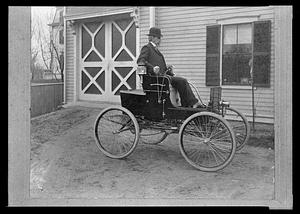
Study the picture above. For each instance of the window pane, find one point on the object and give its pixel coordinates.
(244, 34)
(229, 75)
(61, 37)
(244, 69)
(230, 49)
(236, 69)
(244, 48)
(230, 34)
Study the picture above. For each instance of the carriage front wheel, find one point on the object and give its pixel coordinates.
(116, 132)
(207, 141)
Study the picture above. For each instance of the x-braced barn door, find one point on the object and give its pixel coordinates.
(108, 59)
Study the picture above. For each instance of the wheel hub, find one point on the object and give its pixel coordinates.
(206, 140)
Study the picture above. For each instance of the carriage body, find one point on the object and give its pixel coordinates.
(153, 101)
(150, 115)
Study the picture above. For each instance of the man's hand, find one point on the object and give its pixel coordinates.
(156, 69)
(170, 70)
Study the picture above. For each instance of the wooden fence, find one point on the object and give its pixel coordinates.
(45, 97)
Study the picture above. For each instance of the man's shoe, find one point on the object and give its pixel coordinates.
(198, 105)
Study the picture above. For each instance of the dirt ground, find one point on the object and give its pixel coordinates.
(66, 163)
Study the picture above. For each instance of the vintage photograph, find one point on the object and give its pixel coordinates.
(157, 105)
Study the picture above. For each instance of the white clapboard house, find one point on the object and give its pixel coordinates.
(210, 46)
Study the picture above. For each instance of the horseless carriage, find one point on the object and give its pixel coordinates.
(208, 136)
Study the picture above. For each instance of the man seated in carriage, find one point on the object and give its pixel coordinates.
(155, 64)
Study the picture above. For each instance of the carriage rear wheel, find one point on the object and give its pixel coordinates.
(240, 126)
(116, 132)
(207, 141)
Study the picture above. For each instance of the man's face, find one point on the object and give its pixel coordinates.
(156, 40)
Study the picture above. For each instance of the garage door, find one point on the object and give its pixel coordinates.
(108, 59)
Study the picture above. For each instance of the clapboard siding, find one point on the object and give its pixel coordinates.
(70, 89)
(144, 25)
(184, 46)
(75, 11)
(208, 12)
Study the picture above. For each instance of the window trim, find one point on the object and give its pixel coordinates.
(238, 20)
(231, 21)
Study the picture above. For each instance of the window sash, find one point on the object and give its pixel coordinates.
(236, 70)
(236, 53)
(61, 36)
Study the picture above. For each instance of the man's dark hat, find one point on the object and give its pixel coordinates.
(154, 31)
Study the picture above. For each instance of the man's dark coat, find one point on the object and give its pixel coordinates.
(148, 54)
(151, 57)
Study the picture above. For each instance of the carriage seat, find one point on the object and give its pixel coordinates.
(161, 84)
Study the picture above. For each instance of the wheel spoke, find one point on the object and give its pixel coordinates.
(216, 150)
(222, 145)
(219, 134)
(216, 159)
(201, 157)
(213, 131)
(198, 128)
(193, 132)
(111, 117)
(239, 127)
(193, 153)
(239, 137)
(194, 142)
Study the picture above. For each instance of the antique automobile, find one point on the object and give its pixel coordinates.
(208, 136)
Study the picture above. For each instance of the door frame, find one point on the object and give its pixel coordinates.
(78, 65)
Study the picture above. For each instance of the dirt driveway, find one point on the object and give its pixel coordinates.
(66, 163)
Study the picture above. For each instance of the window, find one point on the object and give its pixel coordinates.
(230, 47)
(61, 17)
(61, 36)
(61, 62)
(236, 54)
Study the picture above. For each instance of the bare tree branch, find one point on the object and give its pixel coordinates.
(58, 59)
(43, 50)
(43, 56)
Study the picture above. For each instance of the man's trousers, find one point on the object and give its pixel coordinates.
(187, 96)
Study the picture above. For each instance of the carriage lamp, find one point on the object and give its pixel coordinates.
(224, 103)
(141, 70)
